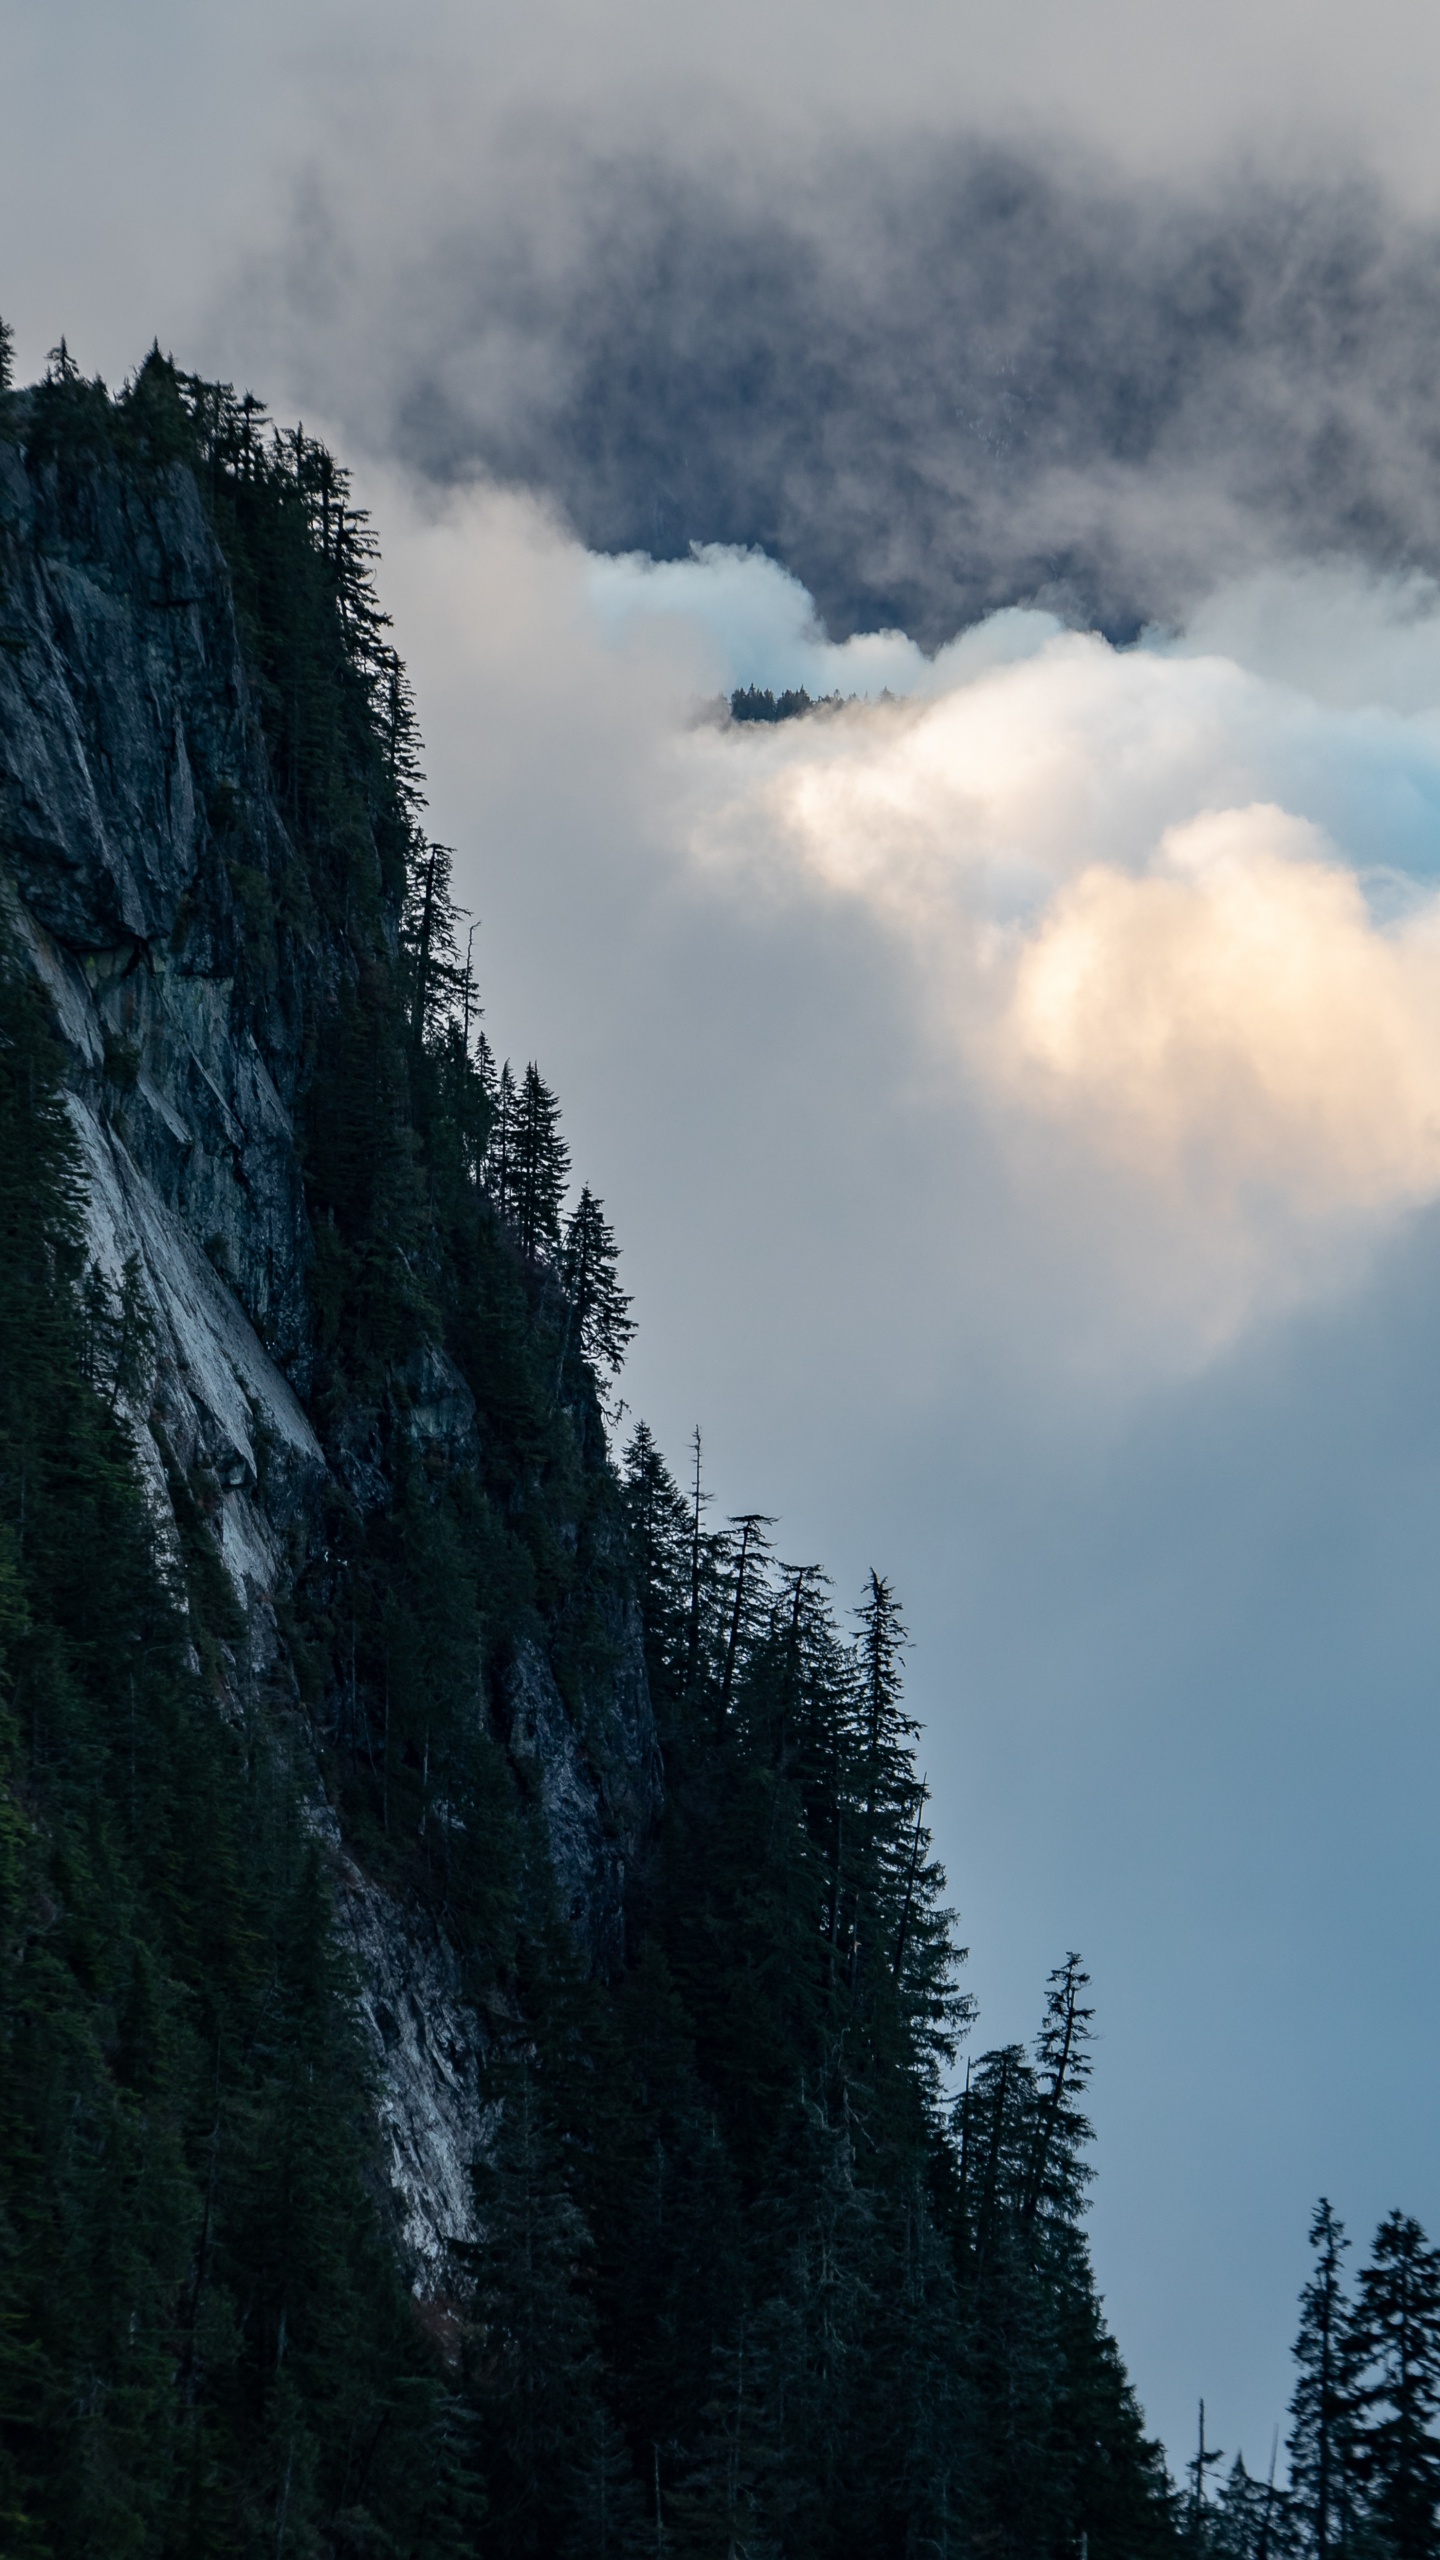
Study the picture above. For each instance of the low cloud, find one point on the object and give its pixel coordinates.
(1232, 1020)
(930, 377)
(1135, 912)
(1132, 956)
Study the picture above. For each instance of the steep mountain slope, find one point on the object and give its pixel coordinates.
(475, 1995)
(201, 978)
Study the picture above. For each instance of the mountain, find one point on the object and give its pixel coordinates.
(477, 2010)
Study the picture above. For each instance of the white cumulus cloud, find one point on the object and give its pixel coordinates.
(1165, 906)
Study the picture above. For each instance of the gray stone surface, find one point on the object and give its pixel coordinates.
(140, 854)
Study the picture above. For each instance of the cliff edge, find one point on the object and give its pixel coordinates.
(214, 909)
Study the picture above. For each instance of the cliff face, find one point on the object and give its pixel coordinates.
(151, 880)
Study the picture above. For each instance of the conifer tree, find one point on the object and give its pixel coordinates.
(118, 1332)
(597, 1310)
(440, 982)
(748, 1604)
(1322, 2412)
(886, 1735)
(1394, 2347)
(1253, 2519)
(658, 1525)
(540, 1168)
(705, 1555)
(500, 1153)
(1056, 2173)
(1202, 2461)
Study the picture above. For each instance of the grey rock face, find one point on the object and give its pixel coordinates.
(142, 859)
(138, 825)
(427, 2044)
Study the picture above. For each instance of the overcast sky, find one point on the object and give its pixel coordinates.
(1019, 1101)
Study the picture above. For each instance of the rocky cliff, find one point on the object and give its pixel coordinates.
(414, 2139)
(201, 962)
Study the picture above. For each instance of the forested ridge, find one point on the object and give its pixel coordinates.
(761, 2264)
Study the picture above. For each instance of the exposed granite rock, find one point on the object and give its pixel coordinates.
(427, 2044)
(587, 1858)
(136, 819)
(142, 862)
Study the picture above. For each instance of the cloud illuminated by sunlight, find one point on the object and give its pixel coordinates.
(1123, 881)
(1234, 1018)
(1152, 930)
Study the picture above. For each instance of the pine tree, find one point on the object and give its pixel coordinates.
(901, 1940)
(749, 1602)
(540, 1162)
(885, 1740)
(812, 2328)
(500, 1153)
(440, 984)
(1322, 2412)
(597, 1310)
(1056, 2174)
(1198, 2510)
(1253, 2519)
(118, 1332)
(659, 1540)
(608, 2520)
(1394, 2344)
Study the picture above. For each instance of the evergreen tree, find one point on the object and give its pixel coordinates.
(204, 2342)
(1057, 2173)
(1321, 2442)
(1394, 2347)
(1253, 2519)
(658, 1529)
(1198, 2518)
(118, 1333)
(749, 1603)
(440, 984)
(540, 1162)
(500, 1162)
(597, 1310)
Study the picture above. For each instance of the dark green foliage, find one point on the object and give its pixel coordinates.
(539, 1167)
(1394, 2344)
(749, 702)
(1252, 2519)
(747, 2282)
(204, 2345)
(899, 2346)
(1322, 2411)
(1364, 2447)
(598, 1323)
(118, 1337)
